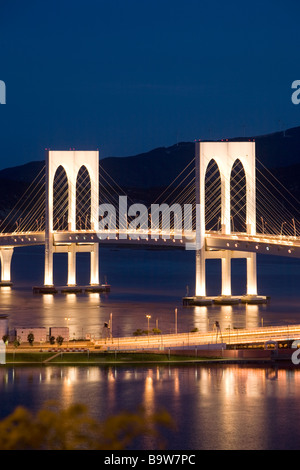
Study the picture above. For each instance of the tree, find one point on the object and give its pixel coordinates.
(73, 428)
(138, 332)
(17, 342)
(52, 339)
(59, 340)
(156, 331)
(30, 338)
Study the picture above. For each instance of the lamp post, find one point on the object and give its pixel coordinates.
(175, 321)
(110, 325)
(282, 228)
(148, 318)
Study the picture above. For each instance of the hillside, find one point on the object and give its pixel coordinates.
(139, 175)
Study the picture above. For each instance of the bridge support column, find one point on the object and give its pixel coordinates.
(48, 275)
(72, 265)
(5, 257)
(226, 274)
(94, 270)
(251, 274)
(200, 288)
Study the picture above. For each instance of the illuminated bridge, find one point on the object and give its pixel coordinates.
(235, 209)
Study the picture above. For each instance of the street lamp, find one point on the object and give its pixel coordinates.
(110, 325)
(148, 318)
(175, 321)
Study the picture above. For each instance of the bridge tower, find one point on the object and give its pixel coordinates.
(225, 154)
(71, 161)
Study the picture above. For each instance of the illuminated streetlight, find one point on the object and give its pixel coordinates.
(110, 325)
(148, 318)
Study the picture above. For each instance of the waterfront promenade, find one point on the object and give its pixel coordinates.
(213, 340)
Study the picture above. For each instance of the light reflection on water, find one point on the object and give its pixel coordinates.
(215, 407)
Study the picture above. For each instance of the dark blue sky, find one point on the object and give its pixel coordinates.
(126, 76)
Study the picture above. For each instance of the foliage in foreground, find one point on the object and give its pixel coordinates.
(73, 428)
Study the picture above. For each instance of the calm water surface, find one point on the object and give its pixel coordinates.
(215, 407)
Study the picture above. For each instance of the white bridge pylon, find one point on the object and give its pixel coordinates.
(225, 154)
(71, 161)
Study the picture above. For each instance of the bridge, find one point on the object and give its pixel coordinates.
(232, 214)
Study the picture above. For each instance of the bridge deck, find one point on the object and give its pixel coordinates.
(264, 244)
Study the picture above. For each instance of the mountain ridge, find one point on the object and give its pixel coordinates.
(278, 151)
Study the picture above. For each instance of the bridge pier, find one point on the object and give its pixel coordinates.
(226, 293)
(72, 249)
(5, 258)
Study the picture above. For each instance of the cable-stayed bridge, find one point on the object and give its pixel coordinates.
(224, 204)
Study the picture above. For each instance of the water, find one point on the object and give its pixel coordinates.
(215, 407)
(147, 282)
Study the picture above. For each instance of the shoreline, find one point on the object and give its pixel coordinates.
(115, 358)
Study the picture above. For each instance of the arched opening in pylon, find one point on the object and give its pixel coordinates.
(83, 199)
(238, 197)
(60, 200)
(212, 197)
